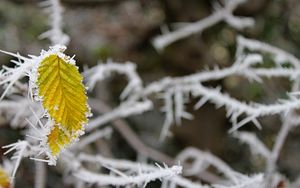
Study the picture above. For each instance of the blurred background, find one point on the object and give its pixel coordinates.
(122, 30)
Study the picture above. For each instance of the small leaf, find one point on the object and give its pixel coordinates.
(57, 139)
(4, 179)
(60, 86)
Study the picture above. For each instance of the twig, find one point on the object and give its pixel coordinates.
(223, 14)
(55, 34)
(130, 136)
(134, 141)
(40, 175)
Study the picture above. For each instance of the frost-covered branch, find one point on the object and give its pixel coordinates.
(286, 127)
(35, 145)
(256, 181)
(281, 56)
(20, 148)
(102, 71)
(124, 180)
(10, 76)
(243, 66)
(169, 113)
(16, 110)
(220, 14)
(175, 91)
(290, 119)
(201, 160)
(235, 107)
(134, 167)
(256, 146)
(55, 34)
(86, 140)
(122, 172)
(124, 110)
(40, 175)
(274, 155)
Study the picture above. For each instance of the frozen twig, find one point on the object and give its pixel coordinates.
(281, 56)
(168, 110)
(290, 118)
(202, 160)
(235, 107)
(86, 140)
(140, 179)
(252, 181)
(40, 175)
(20, 148)
(55, 34)
(124, 165)
(141, 176)
(176, 94)
(286, 126)
(10, 76)
(175, 91)
(221, 14)
(130, 136)
(101, 71)
(142, 149)
(243, 66)
(256, 146)
(273, 157)
(124, 110)
(16, 110)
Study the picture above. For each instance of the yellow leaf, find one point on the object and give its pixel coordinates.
(4, 179)
(60, 86)
(57, 139)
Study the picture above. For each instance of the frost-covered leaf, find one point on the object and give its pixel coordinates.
(57, 139)
(64, 97)
(4, 179)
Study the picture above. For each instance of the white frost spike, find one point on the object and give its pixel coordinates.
(20, 148)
